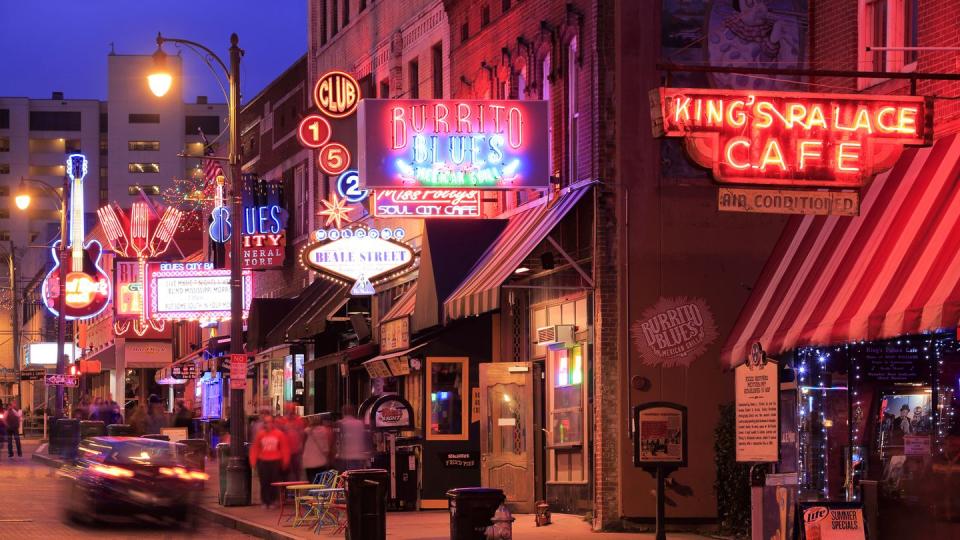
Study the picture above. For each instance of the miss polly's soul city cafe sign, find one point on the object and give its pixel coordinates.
(790, 140)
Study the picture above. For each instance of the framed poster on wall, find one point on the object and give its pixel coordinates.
(659, 434)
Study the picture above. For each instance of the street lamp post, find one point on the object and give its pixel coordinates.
(22, 201)
(238, 485)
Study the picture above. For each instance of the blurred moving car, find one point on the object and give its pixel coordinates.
(131, 477)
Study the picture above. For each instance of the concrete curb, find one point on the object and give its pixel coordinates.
(225, 519)
(49, 461)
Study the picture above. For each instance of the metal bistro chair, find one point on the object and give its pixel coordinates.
(306, 502)
(333, 501)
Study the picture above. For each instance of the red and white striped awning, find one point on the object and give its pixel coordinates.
(525, 229)
(893, 270)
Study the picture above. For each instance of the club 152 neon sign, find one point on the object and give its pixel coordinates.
(415, 143)
(784, 138)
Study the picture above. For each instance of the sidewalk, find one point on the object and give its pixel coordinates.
(422, 525)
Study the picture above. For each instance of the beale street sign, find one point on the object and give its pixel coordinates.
(792, 139)
(358, 256)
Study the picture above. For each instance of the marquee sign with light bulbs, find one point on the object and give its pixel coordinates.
(359, 256)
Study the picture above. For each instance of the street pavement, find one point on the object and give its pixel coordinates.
(30, 508)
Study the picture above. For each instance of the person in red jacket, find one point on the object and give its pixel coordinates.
(270, 456)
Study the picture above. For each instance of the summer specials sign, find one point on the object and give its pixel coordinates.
(787, 138)
(832, 521)
(757, 410)
(674, 331)
(419, 143)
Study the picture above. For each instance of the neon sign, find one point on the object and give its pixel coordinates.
(348, 186)
(427, 203)
(192, 291)
(264, 224)
(336, 94)
(782, 138)
(358, 256)
(139, 236)
(411, 143)
(86, 286)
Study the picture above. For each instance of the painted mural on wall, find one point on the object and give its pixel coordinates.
(750, 33)
(674, 331)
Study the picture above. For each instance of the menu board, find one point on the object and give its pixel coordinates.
(893, 362)
(758, 410)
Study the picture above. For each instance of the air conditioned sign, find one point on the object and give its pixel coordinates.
(414, 143)
(791, 139)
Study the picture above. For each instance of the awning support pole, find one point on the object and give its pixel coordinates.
(572, 262)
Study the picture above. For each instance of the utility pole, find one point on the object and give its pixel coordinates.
(15, 322)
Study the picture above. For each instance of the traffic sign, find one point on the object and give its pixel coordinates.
(334, 158)
(61, 380)
(314, 131)
(238, 372)
(32, 374)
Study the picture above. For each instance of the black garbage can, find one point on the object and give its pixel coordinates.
(367, 503)
(120, 430)
(92, 428)
(68, 437)
(195, 453)
(471, 510)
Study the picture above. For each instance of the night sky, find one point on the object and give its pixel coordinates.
(50, 45)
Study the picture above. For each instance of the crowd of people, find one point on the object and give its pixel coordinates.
(286, 448)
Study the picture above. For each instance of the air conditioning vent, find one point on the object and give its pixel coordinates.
(556, 334)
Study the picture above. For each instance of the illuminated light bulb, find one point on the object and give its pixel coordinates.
(159, 83)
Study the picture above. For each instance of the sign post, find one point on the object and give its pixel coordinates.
(660, 447)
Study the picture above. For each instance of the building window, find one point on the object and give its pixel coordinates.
(138, 168)
(363, 5)
(346, 12)
(4, 213)
(135, 189)
(143, 146)
(103, 173)
(887, 23)
(5, 236)
(573, 111)
(323, 22)
(545, 95)
(413, 74)
(504, 5)
(72, 146)
(104, 145)
(142, 118)
(385, 88)
(334, 19)
(436, 61)
(302, 189)
(4, 191)
(448, 381)
(206, 124)
(103, 122)
(464, 31)
(4, 144)
(4, 118)
(4, 168)
(55, 120)
(484, 16)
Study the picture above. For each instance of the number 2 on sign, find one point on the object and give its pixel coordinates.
(334, 159)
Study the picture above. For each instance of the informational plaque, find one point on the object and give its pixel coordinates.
(758, 412)
(660, 435)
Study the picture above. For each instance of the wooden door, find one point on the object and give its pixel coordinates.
(506, 431)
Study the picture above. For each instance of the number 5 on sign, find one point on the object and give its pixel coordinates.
(314, 131)
(334, 159)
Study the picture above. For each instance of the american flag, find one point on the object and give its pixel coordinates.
(211, 167)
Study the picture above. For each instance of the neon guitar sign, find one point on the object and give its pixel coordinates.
(87, 286)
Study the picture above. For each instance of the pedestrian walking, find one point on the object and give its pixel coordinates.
(318, 447)
(270, 456)
(156, 417)
(353, 442)
(293, 426)
(12, 420)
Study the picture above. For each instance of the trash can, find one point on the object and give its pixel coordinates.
(471, 510)
(195, 453)
(156, 436)
(67, 435)
(92, 428)
(367, 503)
(120, 430)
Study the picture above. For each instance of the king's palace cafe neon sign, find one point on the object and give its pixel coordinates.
(791, 139)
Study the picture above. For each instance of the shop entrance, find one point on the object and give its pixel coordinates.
(506, 431)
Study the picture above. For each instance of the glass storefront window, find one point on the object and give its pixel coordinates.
(447, 384)
(566, 408)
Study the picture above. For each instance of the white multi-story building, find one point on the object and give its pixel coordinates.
(132, 141)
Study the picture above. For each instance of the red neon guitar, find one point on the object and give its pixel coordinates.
(87, 285)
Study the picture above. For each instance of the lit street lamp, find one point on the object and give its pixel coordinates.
(237, 486)
(22, 200)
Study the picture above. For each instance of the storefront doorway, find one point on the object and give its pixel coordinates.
(506, 431)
